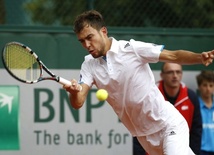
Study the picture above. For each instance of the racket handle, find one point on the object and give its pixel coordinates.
(64, 81)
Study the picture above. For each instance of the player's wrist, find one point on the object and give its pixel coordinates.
(80, 88)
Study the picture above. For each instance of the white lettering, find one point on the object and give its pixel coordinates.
(210, 126)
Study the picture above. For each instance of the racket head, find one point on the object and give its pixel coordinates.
(21, 62)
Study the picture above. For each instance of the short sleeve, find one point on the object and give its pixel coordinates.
(148, 51)
(86, 72)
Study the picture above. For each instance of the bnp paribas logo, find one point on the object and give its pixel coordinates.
(9, 118)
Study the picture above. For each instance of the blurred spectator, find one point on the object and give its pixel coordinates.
(184, 99)
(205, 81)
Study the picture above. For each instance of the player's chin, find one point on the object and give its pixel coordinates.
(95, 55)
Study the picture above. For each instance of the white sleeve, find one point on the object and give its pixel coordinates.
(147, 51)
(86, 73)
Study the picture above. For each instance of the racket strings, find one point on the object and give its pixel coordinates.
(21, 63)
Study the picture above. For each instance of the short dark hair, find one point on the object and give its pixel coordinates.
(92, 18)
(205, 75)
(163, 65)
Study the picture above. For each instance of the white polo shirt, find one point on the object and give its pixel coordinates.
(127, 77)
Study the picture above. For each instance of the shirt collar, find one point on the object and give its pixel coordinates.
(114, 45)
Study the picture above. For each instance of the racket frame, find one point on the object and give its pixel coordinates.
(41, 66)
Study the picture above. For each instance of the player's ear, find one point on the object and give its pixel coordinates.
(104, 30)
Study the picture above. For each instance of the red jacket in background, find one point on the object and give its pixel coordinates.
(188, 105)
(182, 103)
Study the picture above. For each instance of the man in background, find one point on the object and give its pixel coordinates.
(184, 99)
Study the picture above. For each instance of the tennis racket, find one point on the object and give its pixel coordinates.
(24, 65)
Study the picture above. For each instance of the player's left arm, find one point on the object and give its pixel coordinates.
(186, 57)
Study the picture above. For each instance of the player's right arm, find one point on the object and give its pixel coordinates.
(187, 57)
(78, 93)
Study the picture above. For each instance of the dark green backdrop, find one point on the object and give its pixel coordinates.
(58, 47)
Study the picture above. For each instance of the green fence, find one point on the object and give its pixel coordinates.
(58, 46)
(122, 13)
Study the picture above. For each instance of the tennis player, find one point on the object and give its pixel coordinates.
(122, 68)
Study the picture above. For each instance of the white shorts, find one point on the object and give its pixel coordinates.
(172, 140)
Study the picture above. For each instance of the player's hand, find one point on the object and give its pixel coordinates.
(207, 57)
(74, 87)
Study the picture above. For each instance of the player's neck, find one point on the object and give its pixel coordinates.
(108, 43)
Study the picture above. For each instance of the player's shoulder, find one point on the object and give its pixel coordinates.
(88, 57)
(137, 43)
(124, 45)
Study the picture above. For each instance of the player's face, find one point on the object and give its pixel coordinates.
(206, 89)
(93, 40)
(172, 75)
